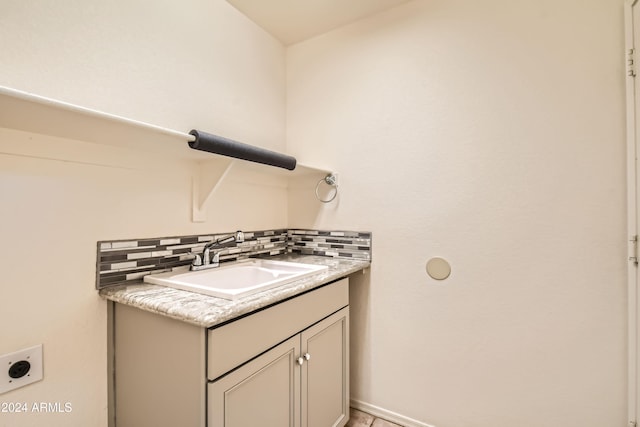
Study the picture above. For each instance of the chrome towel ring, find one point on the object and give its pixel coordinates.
(330, 180)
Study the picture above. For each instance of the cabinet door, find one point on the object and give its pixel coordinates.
(264, 392)
(325, 373)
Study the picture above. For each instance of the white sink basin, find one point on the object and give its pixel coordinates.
(236, 280)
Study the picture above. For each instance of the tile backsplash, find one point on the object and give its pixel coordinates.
(124, 261)
(345, 244)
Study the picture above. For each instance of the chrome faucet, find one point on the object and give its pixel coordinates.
(207, 261)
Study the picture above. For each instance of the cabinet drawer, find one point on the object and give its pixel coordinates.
(236, 342)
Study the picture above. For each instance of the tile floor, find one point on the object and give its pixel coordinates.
(362, 419)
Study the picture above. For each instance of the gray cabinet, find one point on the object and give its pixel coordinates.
(303, 382)
(325, 372)
(285, 365)
(263, 392)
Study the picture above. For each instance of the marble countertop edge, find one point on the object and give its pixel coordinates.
(207, 311)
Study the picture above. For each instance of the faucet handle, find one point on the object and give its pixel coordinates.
(197, 260)
(215, 259)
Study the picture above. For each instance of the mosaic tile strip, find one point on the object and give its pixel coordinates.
(126, 261)
(340, 244)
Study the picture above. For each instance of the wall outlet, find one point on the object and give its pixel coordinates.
(20, 368)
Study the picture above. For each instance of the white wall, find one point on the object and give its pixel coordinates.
(490, 133)
(182, 65)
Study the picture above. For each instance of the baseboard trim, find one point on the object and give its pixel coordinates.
(387, 415)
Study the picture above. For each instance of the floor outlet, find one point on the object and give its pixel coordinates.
(20, 368)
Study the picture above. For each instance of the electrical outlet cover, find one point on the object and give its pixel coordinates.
(33, 356)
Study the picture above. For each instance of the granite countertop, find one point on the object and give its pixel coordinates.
(207, 311)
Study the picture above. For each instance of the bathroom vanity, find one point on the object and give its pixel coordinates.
(278, 358)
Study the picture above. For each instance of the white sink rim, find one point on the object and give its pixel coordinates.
(274, 273)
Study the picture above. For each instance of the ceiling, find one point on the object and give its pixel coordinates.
(292, 21)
